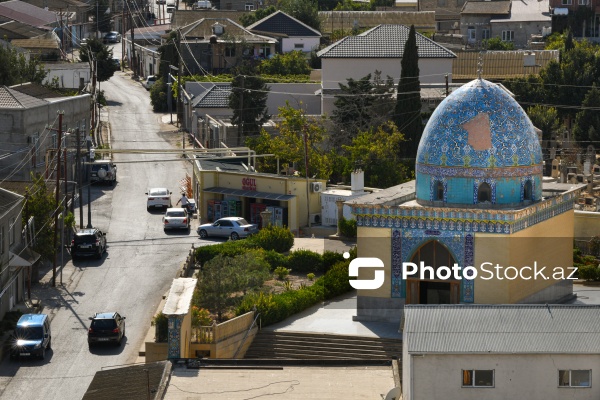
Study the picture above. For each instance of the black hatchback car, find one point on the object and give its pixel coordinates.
(106, 327)
(88, 242)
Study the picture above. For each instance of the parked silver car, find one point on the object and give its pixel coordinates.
(176, 218)
(231, 227)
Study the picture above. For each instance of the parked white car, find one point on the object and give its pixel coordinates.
(149, 82)
(176, 218)
(158, 197)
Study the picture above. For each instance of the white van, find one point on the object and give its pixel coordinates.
(205, 4)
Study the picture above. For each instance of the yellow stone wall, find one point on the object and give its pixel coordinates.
(375, 242)
(548, 243)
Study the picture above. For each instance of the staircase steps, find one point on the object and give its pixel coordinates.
(299, 345)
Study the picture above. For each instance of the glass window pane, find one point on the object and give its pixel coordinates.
(467, 379)
(484, 378)
(580, 378)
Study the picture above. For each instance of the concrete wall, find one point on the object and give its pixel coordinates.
(338, 70)
(310, 43)
(18, 126)
(522, 30)
(11, 279)
(587, 224)
(156, 351)
(518, 376)
(67, 78)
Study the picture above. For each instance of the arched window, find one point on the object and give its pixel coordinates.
(528, 191)
(484, 193)
(438, 191)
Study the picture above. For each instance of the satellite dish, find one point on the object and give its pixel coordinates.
(394, 394)
(102, 173)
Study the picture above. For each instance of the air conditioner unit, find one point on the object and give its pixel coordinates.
(316, 187)
(315, 218)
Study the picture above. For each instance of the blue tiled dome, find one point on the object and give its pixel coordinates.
(479, 135)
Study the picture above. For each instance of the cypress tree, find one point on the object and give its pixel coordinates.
(407, 114)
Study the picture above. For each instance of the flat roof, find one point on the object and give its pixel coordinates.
(281, 383)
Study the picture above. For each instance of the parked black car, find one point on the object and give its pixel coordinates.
(106, 327)
(88, 242)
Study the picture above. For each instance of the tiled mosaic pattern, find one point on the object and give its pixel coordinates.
(175, 336)
(504, 136)
(461, 220)
(406, 242)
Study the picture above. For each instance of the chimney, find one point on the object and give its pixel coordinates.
(357, 181)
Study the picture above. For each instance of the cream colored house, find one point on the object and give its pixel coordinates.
(499, 352)
(380, 48)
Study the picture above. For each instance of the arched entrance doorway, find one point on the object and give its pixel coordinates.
(432, 291)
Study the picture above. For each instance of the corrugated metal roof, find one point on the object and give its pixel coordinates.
(27, 13)
(383, 41)
(36, 43)
(486, 7)
(280, 22)
(502, 329)
(337, 20)
(10, 98)
(19, 30)
(500, 64)
(201, 31)
(180, 296)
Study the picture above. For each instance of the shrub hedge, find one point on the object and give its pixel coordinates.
(277, 307)
(274, 238)
(305, 261)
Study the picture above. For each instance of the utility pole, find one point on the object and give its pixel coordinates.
(89, 184)
(179, 88)
(96, 33)
(133, 60)
(306, 170)
(57, 197)
(62, 233)
(123, 26)
(79, 179)
(241, 116)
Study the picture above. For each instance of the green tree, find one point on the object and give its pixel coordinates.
(498, 44)
(544, 118)
(221, 277)
(363, 103)
(378, 151)
(263, 144)
(569, 45)
(249, 18)
(99, 12)
(41, 205)
(95, 49)
(248, 100)
(306, 11)
(407, 114)
(289, 145)
(15, 69)
(158, 96)
(587, 122)
(291, 63)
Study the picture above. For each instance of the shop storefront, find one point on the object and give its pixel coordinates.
(293, 201)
